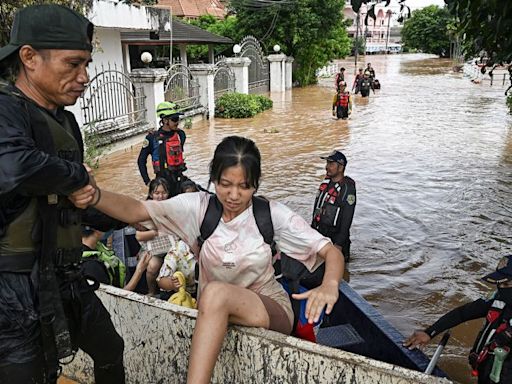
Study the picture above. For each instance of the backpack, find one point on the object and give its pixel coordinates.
(296, 275)
(115, 267)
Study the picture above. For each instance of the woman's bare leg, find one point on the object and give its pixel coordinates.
(219, 305)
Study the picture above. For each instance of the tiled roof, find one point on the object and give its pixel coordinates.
(193, 8)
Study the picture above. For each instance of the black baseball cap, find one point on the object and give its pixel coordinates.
(336, 156)
(503, 272)
(49, 26)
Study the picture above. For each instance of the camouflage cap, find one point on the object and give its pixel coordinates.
(49, 26)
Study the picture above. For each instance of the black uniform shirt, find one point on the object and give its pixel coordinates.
(25, 170)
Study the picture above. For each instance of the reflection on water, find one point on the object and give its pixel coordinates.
(431, 154)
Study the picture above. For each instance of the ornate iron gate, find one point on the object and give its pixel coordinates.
(223, 79)
(181, 87)
(259, 72)
(113, 106)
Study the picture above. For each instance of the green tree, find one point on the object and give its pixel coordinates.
(227, 27)
(427, 30)
(312, 31)
(486, 26)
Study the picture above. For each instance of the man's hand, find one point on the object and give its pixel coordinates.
(418, 338)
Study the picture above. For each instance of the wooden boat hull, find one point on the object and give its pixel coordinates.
(157, 339)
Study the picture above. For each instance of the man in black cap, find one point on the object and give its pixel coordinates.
(335, 203)
(47, 309)
(490, 357)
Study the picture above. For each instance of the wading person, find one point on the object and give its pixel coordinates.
(340, 76)
(165, 147)
(236, 278)
(490, 356)
(47, 309)
(342, 102)
(355, 85)
(365, 84)
(335, 203)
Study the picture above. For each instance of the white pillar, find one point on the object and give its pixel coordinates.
(277, 75)
(240, 68)
(288, 75)
(204, 74)
(152, 80)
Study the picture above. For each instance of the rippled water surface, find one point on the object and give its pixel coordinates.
(431, 154)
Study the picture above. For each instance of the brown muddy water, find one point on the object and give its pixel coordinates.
(431, 154)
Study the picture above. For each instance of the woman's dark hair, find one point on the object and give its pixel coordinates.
(154, 184)
(233, 151)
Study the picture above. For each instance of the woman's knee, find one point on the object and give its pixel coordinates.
(214, 296)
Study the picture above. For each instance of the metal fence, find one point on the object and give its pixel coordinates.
(259, 72)
(113, 106)
(181, 87)
(223, 79)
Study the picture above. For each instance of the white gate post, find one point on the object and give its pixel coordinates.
(152, 80)
(277, 73)
(204, 73)
(240, 68)
(288, 76)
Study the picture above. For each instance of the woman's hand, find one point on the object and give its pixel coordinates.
(418, 338)
(317, 299)
(83, 197)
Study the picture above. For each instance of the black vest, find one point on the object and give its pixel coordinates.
(21, 243)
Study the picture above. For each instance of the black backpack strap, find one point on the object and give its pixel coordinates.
(261, 210)
(210, 221)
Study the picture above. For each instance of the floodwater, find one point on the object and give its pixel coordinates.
(431, 154)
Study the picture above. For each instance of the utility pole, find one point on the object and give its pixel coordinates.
(387, 35)
(356, 45)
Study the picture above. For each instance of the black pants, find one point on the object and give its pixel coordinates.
(91, 329)
(341, 112)
(365, 92)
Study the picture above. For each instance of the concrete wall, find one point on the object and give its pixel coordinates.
(157, 341)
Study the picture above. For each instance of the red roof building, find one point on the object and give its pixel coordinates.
(192, 9)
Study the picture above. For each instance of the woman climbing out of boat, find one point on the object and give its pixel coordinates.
(236, 279)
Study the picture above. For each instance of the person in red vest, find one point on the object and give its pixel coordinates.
(342, 102)
(166, 149)
(490, 357)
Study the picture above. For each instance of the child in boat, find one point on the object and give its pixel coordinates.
(490, 356)
(179, 258)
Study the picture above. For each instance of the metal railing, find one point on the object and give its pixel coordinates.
(259, 72)
(181, 87)
(113, 106)
(223, 79)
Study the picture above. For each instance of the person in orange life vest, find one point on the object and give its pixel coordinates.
(496, 333)
(335, 203)
(340, 76)
(342, 102)
(165, 147)
(355, 85)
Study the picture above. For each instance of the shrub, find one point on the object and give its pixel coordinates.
(238, 105)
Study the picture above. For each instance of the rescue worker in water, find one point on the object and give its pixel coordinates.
(490, 356)
(165, 147)
(335, 203)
